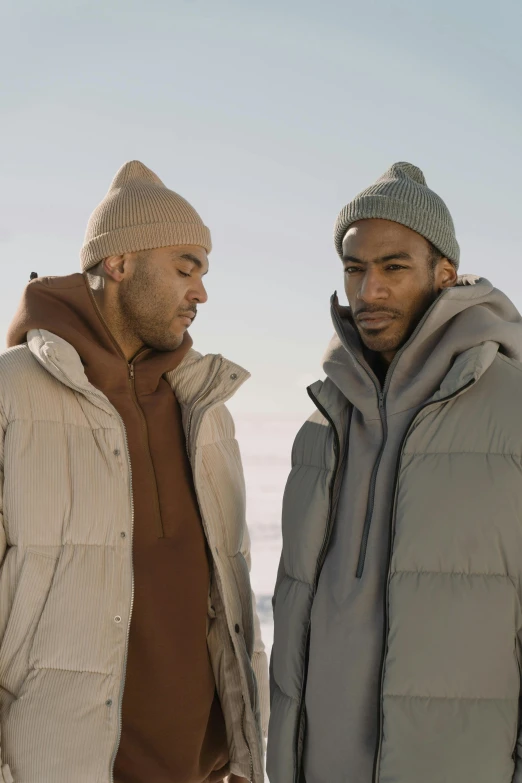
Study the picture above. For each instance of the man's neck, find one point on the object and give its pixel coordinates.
(128, 346)
(380, 363)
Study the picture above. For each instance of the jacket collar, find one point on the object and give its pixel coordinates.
(453, 345)
(468, 368)
(211, 376)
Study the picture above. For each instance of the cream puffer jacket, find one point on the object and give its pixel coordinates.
(66, 581)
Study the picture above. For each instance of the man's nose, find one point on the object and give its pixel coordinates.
(372, 287)
(198, 294)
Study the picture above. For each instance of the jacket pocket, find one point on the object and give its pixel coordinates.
(30, 596)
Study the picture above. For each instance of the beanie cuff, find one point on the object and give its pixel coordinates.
(133, 239)
(415, 217)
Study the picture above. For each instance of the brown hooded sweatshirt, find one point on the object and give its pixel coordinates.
(173, 729)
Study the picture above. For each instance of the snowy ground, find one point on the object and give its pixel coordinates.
(266, 444)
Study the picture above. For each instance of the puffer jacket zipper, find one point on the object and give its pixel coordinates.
(332, 506)
(371, 492)
(150, 463)
(381, 398)
(422, 410)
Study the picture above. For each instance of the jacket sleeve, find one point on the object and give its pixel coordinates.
(280, 576)
(281, 573)
(259, 658)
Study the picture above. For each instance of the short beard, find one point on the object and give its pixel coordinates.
(142, 313)
(383, 344)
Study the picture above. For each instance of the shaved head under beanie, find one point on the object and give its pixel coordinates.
(402, 196)
(140, 213)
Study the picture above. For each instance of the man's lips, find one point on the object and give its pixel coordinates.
(187, 318)
(375, 320)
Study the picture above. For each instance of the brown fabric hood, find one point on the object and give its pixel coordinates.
(65, 306)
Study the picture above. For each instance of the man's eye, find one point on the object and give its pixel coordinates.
(183, 274)
(395, 267)
(350, 270)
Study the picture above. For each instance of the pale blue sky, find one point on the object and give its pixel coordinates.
(268, 117)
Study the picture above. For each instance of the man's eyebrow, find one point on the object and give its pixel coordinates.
(194, 260)
(399, 256)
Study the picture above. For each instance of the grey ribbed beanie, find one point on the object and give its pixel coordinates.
(140, 213)
(401, 195)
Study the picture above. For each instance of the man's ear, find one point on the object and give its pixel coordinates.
(114, 268)
(447, 275)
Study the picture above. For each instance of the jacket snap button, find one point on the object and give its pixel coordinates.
(109, 703)
(237, 628)
(116, 452)
(233, 377)
(123, 535)
(117, 619)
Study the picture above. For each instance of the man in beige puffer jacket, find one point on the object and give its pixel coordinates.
(130, 644)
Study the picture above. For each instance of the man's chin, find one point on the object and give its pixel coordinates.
(379, 342)
(166, 344)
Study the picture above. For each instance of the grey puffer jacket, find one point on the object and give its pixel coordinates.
(449, 668)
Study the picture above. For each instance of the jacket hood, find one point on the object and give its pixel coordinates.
(65, 307)
(66, 334)
(469, 322)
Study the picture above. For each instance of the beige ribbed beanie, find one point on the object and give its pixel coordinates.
(140, 213)
(402, 196)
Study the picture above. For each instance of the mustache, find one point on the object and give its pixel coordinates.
(193, 310)
(376, 309)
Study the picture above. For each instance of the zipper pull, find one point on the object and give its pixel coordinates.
(131, 372)
(381, 400)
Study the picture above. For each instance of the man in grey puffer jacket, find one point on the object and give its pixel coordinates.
(398, 601)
